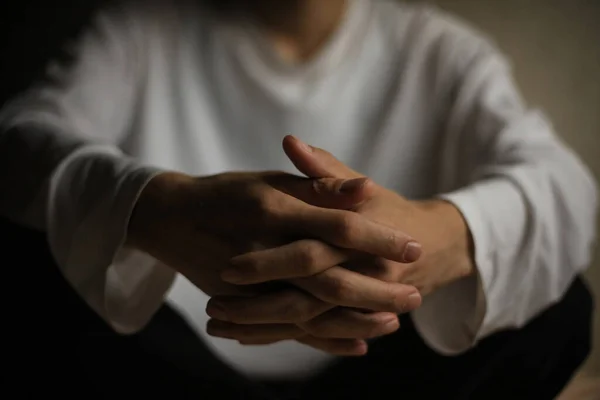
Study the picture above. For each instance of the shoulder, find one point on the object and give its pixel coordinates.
(150, 16)
(434, 46)
(424, 30)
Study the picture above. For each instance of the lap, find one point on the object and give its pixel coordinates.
(76, 356)
(534, 362)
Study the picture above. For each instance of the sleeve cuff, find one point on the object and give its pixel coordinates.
(92, 195)
(452, 319)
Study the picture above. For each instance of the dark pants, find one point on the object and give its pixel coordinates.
(60, 348)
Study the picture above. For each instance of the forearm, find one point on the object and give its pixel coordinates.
(90, 197)
(50, 172)
(527, 200)
(65, 174)
(533, 227)
(81, 194)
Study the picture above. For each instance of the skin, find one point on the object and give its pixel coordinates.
(196, 225)
(447, 256)
(297, 29)
(350, 268)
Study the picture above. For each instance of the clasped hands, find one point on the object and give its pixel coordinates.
(329, 260)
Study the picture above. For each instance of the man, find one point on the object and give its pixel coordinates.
(479, 220)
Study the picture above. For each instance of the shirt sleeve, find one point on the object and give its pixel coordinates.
(63, 172)
(528, 200)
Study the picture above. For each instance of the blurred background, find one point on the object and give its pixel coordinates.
(555, 49)
(554, 46)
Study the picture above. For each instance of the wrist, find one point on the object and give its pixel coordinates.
(156, 201)
(448, 238)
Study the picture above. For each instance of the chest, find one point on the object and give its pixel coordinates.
(202, 112)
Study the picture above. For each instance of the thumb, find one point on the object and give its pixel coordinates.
(315, 162)
(341, 194)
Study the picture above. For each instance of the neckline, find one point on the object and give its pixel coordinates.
(254, 44)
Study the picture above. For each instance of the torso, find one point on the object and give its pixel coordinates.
(225, 102)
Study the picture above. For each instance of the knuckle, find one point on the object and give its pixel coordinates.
(299, 308)
(347, 227)
(263, 203)
(317, 329)
(267, 205)
(291, 307)
(339, 290)
(389, 299)
(309, 255)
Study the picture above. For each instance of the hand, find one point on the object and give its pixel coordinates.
(437, 224)
(195, 225)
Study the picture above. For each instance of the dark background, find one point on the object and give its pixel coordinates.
(44, 323)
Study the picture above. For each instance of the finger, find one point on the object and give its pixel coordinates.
(384, 270)
(343, 323)
(315, 162)
(325, 192)
(350, 230)
(342, 287)
(253, 334)
(338, 347)
(297, 259)
(286, 306)
(335, 193)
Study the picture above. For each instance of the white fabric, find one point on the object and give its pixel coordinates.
(404, 94)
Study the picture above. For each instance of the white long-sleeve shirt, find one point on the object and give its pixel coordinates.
(405, 94)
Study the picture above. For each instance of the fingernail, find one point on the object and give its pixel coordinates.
(361, 349)
(352, 185)
(304, 146)
(391, 323)
(216, 311)
(231, 275)
(414, 300)
(412, 252)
